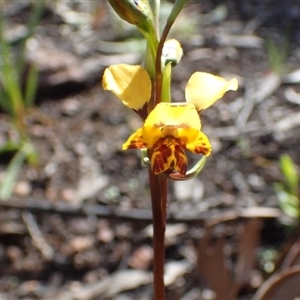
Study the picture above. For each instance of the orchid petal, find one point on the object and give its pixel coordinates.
(135, 141)
(203, 89)
(131, 84)
(200, 145)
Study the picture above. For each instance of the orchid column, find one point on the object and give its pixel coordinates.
(169, 129)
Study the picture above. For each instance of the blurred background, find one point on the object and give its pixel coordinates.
(75, 209)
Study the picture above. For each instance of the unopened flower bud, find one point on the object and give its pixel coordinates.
(172, 52)
(136, 12)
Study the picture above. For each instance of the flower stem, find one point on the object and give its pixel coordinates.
(159, 184)
(178, 6)
(158, 190)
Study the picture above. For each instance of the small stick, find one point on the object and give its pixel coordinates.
(37, 236)
(205, 218)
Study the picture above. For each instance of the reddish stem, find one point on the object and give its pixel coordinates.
(158, 190)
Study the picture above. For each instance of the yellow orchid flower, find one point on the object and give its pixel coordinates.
(169, 129)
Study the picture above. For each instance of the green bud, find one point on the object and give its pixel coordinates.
(172, 52)
(136, 12)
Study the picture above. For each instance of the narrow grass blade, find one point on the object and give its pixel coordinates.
(10, 177)
(31, 86)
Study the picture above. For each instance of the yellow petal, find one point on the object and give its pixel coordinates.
(171, 119)
(177, 120)
(135, 141)
(200, 145)
(187, 135)
(131, 84)
(203, 89)
(174, 114)
(151, 134)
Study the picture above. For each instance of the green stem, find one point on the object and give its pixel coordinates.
(156, 9)
(178, 6)
(158, 190)
(149, 62)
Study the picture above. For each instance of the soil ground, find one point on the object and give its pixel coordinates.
(78, 225)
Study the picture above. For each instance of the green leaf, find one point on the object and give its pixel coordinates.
(288, 203)
(10, 146)
(289, 171)
(5, 100)
(31, 154)
(35, 17)
(9, 77)
(10, 177)
(31, 86)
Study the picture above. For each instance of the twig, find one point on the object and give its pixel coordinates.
(288, 123)
(45, 206)
(252, 212)
(249, 102)
(208, 218)
(37, 236)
